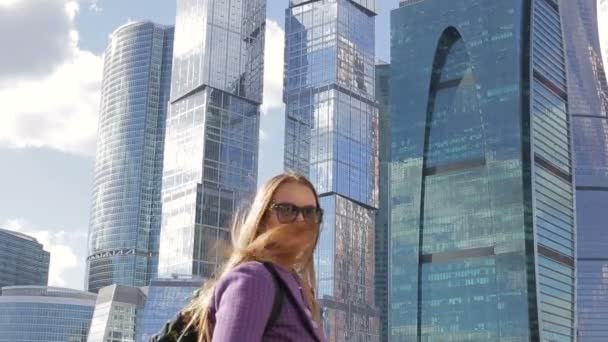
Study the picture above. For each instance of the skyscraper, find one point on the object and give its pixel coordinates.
(23, 261)
(166, 297)
(125, 215)
(211, 144)
(42, 314)
(383, 72)
(482, 206)
(116, 311)
(331, 135)
(588, 105)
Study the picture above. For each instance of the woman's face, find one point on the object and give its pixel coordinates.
(290, 193)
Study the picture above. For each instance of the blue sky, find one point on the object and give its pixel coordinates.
(49, 119)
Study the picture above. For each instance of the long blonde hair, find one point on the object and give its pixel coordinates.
(290, 245)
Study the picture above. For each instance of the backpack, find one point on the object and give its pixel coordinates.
(174, 329)
(279, 294)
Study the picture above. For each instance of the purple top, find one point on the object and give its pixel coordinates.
(243, 301)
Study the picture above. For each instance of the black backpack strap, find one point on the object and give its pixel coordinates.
(279, 294)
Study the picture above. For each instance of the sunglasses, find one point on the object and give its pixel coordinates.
(288, 213)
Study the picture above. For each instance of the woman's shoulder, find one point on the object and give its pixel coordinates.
(250, 266)
(251, 276)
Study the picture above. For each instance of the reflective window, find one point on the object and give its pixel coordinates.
(24, 261)
(464, 195)
(125, 216)
(331, 135)
(211, 144)
(588, 104)
(166, 297)
(40, 314)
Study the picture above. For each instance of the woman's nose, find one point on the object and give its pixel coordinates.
(300, 217)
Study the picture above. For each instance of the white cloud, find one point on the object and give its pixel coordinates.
(8, 3)
(273, 67)
(58, 111)
(67, 249)
(72, 8)
(272, 125)
(263, 135)
(57, 106)
(40, 46)
(602, 20)
(94, 6)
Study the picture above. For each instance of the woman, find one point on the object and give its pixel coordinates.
(266, 289)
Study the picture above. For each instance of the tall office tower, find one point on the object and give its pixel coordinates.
(383, 74)
(588, 106)
(116, 312)
(42, 314)
(23, 261)
(482, 206)
(332, 136)
(166, 297)
(211, 146)
(124, 227)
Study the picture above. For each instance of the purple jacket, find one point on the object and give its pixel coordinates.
(243, 302)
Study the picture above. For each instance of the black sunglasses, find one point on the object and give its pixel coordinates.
(288, 213)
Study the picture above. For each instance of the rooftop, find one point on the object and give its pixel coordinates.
(45, 291)
(19, 235)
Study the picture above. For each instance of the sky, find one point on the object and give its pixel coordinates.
(50, 89)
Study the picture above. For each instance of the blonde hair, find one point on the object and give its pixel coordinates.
(289, 245)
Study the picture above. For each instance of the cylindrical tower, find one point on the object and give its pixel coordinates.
(124, 227)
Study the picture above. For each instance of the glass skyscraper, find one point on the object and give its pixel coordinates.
(482, 199)
(124, 226)
(331, 135)
(23, 261)
(383, 74)
(588, 105)
(211, 144)
(45, 314)
(166, 297)
(116, 312)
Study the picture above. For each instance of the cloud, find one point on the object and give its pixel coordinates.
(67, 249)
(273, 67)
(8, 3)
(263, 136)
(272, 125)
(94, 6)
(41, 45)
(602, 22)
(49, 87)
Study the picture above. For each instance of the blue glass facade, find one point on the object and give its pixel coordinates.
(588, 105)
(124, 227)
(43, 314)
(482, 224)
(166, 297)
(383, 74)
(211, 144)
(23, 261)
(331, 135)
